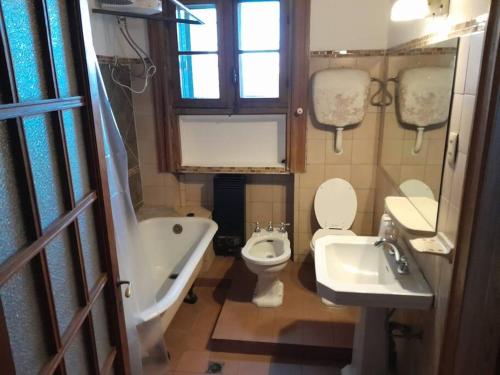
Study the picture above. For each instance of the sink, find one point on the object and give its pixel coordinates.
(351, 270)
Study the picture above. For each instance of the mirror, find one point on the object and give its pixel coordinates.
(415, 126)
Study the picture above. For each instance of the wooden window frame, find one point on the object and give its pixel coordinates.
(230, 101)
(294, 83)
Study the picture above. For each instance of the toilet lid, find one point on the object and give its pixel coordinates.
(335, 204)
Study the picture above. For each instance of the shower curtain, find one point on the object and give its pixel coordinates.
(131, 262)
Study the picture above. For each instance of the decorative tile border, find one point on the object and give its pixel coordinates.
(413, 47)
(349, 53)
(454, 32)
(244, 170)
(101, 59)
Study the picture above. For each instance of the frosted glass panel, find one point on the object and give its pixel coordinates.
(62, 276)
(61, 47)
(23, 317)
(90, 247)
(76, 152)
(26, 50)
(42, 152)
(100, 320)
(77, 357)
(13, 235)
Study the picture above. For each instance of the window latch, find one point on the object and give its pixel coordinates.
(235, 76)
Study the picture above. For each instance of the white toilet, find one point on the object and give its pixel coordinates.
(335, 206)
(266, 254)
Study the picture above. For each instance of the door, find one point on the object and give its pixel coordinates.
(61, 308)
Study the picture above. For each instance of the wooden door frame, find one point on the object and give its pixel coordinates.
(472, 331)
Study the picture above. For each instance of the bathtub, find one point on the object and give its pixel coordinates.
(175, 247)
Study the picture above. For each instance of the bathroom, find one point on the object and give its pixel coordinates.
(249, 187)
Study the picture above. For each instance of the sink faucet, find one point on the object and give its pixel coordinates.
(270, 227)
(401, 261)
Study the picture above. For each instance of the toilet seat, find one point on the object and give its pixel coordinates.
(335, 206)
(329, 232)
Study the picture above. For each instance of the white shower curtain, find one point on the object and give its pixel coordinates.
(131, 262)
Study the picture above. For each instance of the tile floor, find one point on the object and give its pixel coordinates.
(192, 349)
(301, 320)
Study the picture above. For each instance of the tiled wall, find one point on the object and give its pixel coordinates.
(121, 103)
(397, 142)
(268, 197)
(159, 189)
(357, 164)
(418, 357)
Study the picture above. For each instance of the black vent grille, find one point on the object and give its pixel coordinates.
(229, 213)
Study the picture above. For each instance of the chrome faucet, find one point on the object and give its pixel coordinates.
(283, 227)
(257, 227)
(394, 250)
(270, 227)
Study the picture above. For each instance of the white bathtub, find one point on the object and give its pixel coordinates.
(170, 255)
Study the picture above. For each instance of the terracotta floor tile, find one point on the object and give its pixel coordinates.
(253, 368)
(193, 361)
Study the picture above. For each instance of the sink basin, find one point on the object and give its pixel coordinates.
(350, 270)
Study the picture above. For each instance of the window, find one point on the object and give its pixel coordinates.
(241, 61)
(236, 60)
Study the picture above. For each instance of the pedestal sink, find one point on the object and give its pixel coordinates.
(350, 270)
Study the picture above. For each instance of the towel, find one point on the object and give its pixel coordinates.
(340, 96)
(424, 95)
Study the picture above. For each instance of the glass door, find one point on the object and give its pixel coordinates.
(60, 309)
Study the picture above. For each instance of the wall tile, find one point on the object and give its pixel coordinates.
(315, 151)
(392, 152)
(332, 157)
(456, 112)
(458, 180)
(466, 122)
(364, 151)
(366, 200)
(409, 157)
(313, 177)
(462, 60)
(474, 63)
(363, 176)
(338, 171)
(368, 129)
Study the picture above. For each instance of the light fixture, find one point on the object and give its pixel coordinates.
(408, 10)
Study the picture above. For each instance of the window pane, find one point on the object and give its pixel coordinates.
(198, 37)
(259, 25)
(259, 75)
(25, 47)
(199, 75)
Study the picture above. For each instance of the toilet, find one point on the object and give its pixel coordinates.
(266, 254)
(335, 206)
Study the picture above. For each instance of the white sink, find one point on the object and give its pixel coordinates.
(350, 270)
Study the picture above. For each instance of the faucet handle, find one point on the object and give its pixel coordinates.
(403, 265)
(283, 227)
(270, 227)
(257, 227)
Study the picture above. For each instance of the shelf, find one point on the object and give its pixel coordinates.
(153, 17)
(406, 215)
